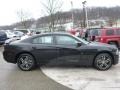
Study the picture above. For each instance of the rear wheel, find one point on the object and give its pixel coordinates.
(26, 62)
(103, 61)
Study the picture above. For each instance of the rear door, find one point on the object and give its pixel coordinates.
(44, 48)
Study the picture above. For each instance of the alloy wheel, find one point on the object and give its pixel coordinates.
(103, 61)
(25, 62)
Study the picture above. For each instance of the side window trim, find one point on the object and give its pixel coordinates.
(64, 35)
(43, 36)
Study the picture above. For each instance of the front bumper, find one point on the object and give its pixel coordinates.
(116, 57)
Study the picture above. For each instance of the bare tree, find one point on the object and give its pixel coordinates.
(24, 17)
(51, 7)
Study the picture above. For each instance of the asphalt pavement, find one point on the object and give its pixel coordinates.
(12, 78)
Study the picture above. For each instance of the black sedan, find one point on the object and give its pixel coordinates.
(61, 47)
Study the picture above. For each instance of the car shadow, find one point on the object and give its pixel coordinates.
(59, 65)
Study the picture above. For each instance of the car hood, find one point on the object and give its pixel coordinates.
(98, 44)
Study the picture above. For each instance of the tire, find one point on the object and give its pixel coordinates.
(103, 61)
(26, 62)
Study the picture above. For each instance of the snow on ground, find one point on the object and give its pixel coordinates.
(85, 78)
(79, 78)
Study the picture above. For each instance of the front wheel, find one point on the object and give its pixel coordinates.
(103, 61)
(26, 62)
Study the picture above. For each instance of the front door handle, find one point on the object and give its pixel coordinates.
(33, 47)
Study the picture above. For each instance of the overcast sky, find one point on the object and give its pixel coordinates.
(8, 8)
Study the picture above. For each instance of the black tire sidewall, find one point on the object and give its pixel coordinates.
(25, 54)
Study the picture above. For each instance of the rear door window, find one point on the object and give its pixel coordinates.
(43, 40)
(109, 32)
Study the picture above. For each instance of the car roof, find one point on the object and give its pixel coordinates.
(53, 33)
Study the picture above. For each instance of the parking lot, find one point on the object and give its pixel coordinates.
(58, 78)
(11, 78)
(85, 78)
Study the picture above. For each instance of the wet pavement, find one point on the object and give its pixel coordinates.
(85, 78)
(12, 78)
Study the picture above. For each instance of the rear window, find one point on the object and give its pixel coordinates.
(109, 32)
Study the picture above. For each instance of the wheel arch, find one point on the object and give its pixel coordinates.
(104, 52)
(24, 52)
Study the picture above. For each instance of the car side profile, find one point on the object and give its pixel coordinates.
(60, 47)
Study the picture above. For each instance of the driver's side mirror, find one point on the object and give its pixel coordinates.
(79, 44)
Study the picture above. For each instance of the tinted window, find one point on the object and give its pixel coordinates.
(67, 40)
(109, 32)
(94, 32)
(118, 32)
(43, 40)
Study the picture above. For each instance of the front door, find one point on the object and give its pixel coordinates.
(69, 53)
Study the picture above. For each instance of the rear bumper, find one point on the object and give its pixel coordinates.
(9, 56)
